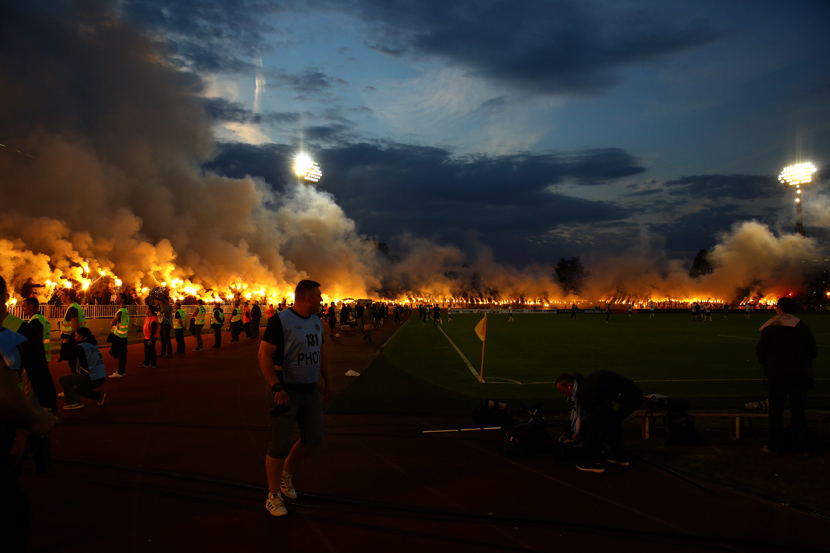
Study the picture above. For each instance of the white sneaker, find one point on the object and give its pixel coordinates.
(118, 375)
(287, 486)
(275, 505)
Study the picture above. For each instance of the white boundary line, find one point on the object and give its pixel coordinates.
(463, 357)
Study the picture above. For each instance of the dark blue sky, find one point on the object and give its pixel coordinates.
(544, 128)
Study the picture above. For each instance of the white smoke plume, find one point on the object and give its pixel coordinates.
(112, 180)
(749, 263)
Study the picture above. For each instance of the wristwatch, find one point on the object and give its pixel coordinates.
(277, 388)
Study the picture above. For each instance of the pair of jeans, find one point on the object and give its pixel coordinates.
(150, 352)
(779, 388)
(604, 425)
(166, 344)
(79, 384)
(236, 328)
(179, 340)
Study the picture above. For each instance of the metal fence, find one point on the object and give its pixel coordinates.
(105, 311)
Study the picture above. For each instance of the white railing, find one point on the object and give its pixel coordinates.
(105, 311)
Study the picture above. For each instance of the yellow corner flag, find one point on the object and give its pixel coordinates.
(481, 332)
(481, 328)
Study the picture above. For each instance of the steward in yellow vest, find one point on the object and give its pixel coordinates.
(237, 313)
(34, 360)
(47, 333)
(72, 321)
(121, 328)
(217, 319)
(199, 324)
(179, 317)
(236, 322)
(201, 313)
(37, 331)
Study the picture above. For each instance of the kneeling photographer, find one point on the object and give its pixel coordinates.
(602, 400)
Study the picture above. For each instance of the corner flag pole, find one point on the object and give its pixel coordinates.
(481, 373)
(481, 331)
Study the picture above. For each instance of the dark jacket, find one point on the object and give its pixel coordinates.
(786, 350)
(599, 389)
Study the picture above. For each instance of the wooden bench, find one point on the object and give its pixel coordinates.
(735, 419)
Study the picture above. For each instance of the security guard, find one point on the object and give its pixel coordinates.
(217, 320)
(121, 328)
(236, 322)
(72, 321)
(38, 352)
(200, 324)
(178, 326)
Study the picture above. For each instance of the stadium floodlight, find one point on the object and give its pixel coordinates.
(797, 175)
(306, 169)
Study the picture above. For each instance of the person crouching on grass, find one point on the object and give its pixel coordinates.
(92, 373)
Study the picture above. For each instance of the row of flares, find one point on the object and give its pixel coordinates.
(81, 279)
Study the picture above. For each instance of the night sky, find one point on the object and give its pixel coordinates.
(541, 129)
(518, 131)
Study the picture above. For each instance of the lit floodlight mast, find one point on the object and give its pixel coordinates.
(307, 170)
(797, 175)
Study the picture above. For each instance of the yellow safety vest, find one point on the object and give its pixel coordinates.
(179, 323)
(200, 315)
(217, 320)
(47, 335)
(66, 324)
(12, 323)
(123, 326)
(237, 315)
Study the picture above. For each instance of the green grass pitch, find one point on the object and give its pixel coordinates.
(423, 369)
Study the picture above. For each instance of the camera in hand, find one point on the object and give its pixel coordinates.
(279, 410)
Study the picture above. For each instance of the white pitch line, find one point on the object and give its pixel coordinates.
(463, 357)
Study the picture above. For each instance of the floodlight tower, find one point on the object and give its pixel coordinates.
(797, 175)
(306, 170)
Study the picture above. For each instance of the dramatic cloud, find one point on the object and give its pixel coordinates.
(739, 187)
(540, 46)
(206, 36)
(392, 188)
(223, 111)
(308, 82)
(574, 48)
